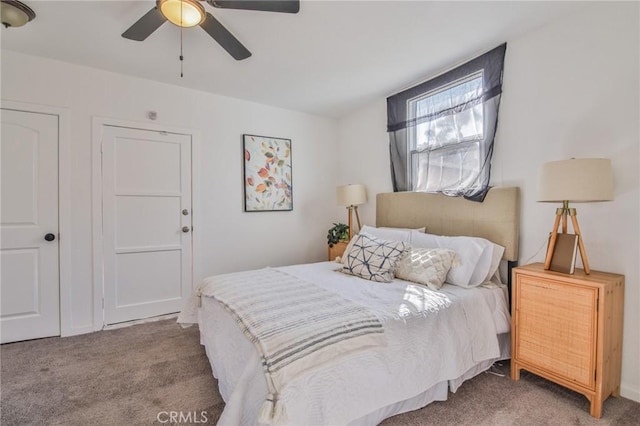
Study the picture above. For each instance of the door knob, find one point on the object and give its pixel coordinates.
(186, 229)
(49, 237)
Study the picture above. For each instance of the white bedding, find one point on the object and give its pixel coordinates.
(433, 338)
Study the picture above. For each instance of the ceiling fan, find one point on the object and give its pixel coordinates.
(189, 13)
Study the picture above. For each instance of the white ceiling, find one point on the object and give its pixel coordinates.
(330, 58)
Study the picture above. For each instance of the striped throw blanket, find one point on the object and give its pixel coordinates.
(295, 325)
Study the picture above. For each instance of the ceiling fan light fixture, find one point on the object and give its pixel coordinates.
(15, 13)
(183, 13)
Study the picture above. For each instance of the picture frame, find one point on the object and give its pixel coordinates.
(267, 174)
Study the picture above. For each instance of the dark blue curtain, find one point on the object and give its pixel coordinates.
(466, 93)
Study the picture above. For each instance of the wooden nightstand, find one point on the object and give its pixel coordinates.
(337, 249)
(568, 329)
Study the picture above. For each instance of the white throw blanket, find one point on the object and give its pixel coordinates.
(295, 325)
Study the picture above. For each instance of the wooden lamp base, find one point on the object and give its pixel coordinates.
(561, 214)
(351, 209)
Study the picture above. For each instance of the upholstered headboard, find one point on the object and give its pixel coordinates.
(496, 218)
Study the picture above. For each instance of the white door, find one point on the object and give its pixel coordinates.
(29, 266)
(146, 216)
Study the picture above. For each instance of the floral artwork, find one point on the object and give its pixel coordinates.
(267, 174)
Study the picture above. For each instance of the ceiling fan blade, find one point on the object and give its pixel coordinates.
(227, 40)
(283, 6)
(143, 28)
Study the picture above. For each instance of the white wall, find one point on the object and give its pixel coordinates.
(571, 89)
(227, 239)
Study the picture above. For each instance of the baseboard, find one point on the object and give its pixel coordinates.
(630, 393)
(75, 331)
(140, 321)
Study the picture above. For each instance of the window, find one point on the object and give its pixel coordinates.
(444, 151)
(441, 131)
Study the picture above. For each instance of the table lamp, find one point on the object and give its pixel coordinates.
(578, 180)
(352, 196)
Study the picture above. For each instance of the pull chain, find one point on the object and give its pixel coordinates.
(181, 28)
(181, 57)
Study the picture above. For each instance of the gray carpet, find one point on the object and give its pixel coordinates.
(131, 375)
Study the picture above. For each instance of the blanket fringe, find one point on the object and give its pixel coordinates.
(273, 411)
(279, 413)
(267, 410)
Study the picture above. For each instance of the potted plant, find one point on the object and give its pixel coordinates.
(339, 232)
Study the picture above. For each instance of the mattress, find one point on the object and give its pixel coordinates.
(430, 349)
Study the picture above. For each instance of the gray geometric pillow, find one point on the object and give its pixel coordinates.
(373, 259)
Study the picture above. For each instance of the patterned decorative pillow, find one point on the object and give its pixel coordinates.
(373, 259)
(426, 266)
(347, 249)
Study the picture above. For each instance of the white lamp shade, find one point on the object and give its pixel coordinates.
(351, 195)
(576, 180)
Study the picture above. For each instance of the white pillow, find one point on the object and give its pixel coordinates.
(372, 258)
(384, 233)
(423, 229)
(497, 251)
(477, 259)
(425, 266)
(389, 234)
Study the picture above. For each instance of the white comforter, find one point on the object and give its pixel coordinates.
(433, 337)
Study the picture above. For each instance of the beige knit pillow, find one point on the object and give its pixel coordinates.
(427, 266)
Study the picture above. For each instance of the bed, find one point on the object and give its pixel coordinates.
(411, 346)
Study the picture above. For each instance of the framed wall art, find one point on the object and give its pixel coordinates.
(267, 174)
